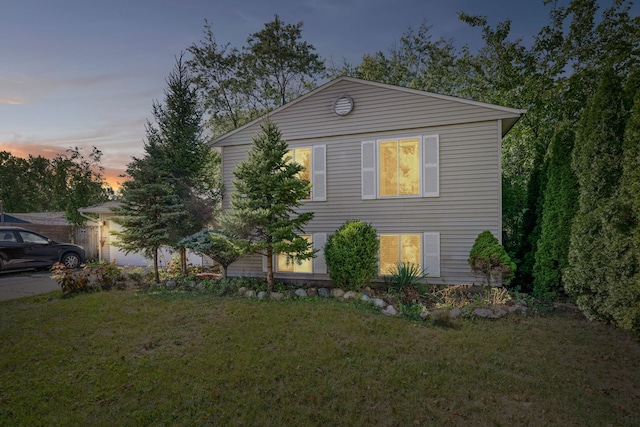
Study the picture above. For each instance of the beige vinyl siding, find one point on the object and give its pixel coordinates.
(376, 109)
(469, 200)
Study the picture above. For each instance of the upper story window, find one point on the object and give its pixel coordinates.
(302, 156)
(313, 159)
(406, 167)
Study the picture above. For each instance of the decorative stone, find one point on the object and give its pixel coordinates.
(312, 292)
(171, 284)
(379, 303)
(513, 309)
(390, 311)
(364, 297)
(301, 292)
(482, 312)
(262, 295)
(350, 295)
(337, 293)
(366, 292)
(499, 312)
(243, 290)
(424, 314)
(250, 293)
(323, 292)
(277, 296)
(455, 313)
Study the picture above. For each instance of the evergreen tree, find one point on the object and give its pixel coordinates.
(597, 163)
(560, 196)
(175, 188)
(623, 232)
(187, 164)
(144, 213)
(266, 193)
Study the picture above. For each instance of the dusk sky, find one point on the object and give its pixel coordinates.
(85, 72)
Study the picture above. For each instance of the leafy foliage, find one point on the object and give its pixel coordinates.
(351, 254)
(488, 258)
(239, 85)
(65, 183)
(267, 191)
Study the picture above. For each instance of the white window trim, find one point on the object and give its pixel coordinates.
(316, 173)
(372, 171)
(318, 264)
(429, 261)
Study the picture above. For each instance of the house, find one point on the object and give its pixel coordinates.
(106, 242)
(52, 224)
(424, 169)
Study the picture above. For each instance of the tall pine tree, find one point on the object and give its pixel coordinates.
(175, 188)
(267, 191)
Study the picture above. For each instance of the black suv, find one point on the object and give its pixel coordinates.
(23, 249)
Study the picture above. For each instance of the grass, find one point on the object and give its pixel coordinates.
(130, 359)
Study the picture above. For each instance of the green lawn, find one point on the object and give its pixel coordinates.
(130, 359)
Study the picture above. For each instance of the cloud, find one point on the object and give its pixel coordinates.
(16, 89)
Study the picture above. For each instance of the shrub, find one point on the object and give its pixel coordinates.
(70, 281)
(352, 255)
(217, 245)
(489, 259)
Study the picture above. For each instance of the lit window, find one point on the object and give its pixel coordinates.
(395, 248)
(288, 264)
(302, 156)
(399, 167)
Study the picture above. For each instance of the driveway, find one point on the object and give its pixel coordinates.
(18, 285)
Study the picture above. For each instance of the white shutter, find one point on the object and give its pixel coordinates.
(319, 170)
(431, 168)
(319, 264)
(432, 254)
(264, 263)
(368, 169)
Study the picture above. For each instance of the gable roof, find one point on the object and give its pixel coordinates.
(101, 208)
(509, 116)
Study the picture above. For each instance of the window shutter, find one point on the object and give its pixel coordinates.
(264, 263)
(319, 264)
(431, 168)
(319, 178)
(432, 254)
(368, 169)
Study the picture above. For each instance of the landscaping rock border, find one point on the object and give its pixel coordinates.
(494, 312)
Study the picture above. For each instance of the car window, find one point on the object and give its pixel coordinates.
(32, 238)
(7, 236)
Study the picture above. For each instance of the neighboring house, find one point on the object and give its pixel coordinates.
(424, 169)
(107, 248)
(52, 224)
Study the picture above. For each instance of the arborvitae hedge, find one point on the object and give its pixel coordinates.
(597, 159)
(560, 205)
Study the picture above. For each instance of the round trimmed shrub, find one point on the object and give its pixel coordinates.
(351, 255)
(489, 259)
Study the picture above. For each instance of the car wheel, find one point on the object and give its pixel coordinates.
(71, 260)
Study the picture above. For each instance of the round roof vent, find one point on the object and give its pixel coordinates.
(343, 105)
